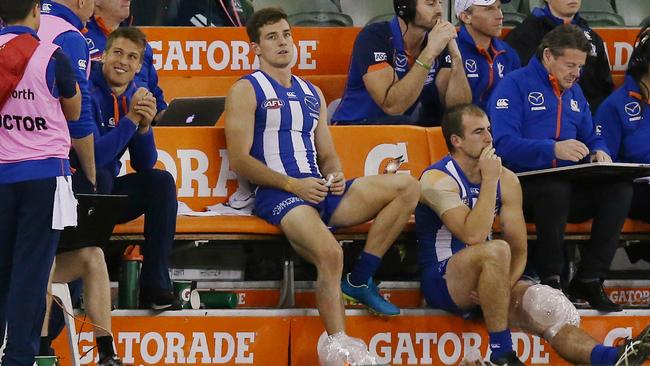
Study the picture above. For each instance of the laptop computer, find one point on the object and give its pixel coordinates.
(97, 215)
(193, 111)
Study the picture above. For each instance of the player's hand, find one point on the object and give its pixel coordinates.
(600, 157)
(312, 190)
(146, 108)
(489, 163)
(454, 52)
(439, 37)
(337, 185)
(571, 150)
(135, 99)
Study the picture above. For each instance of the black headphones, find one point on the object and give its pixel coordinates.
(405, 9)
(640, 58)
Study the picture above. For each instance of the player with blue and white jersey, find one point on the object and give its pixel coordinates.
(278, 138)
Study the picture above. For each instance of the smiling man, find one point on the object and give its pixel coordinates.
(487, 59)
(541, 119)
(596, 80)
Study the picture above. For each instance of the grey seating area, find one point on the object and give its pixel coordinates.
(310, 13)
(367, 11)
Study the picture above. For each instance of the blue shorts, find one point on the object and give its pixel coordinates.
(435, 290)
(273, 204)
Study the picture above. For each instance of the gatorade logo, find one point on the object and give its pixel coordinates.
(185, 294)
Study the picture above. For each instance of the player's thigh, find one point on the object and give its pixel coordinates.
(369, 195)
(462, 275)
(309, 236)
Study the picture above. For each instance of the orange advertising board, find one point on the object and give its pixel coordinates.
(444, 339)
(190, 51)
(190, 340)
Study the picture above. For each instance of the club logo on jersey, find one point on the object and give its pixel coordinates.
(536, 99)
(401, 61)
(46, 8)
(82, 64)
(291, 94)
(313, 104)
(273, 103)
(470, 65)
(503, 103)
(500, 69)
(574, 106)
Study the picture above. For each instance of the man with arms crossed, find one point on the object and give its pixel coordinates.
(463, 268)
(278, 138)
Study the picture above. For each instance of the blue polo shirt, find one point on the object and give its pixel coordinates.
(485, 68)
(380, 45)
(529, 114)
(75, 47)
(623, 119)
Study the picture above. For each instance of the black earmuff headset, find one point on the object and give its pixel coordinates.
(405, 9)
(640, 58)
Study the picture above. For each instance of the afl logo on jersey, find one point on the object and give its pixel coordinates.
(273, 103)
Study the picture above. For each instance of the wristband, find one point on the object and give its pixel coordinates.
(425, 66)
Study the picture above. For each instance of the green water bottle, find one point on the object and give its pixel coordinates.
(130, 278)
(218, 299)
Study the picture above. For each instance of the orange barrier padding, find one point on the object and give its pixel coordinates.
(197, 86)
(193, 51)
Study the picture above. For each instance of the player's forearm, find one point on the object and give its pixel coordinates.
(479, 221)
(85, 149)
(329, 165)
(458, 90)
(518, 254)
(405, 92)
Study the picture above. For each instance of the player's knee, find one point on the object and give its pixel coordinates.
(330, 258)
(497, 251)
(549, 310)
(407, 188)
(92, 257)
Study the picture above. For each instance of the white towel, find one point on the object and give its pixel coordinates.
(65, 204)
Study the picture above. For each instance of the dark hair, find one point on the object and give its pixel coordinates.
(640, 60)
(261, 18)
(133, 34)
(562, 37)
(452, 121)
(15, 10)
(405, 9)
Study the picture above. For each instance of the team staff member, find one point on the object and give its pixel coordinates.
(110, 14)
(34, 169)
(124, 113)
(541, 119)
(399, 63)
(61, 23)
(487, 59)
(277, 137)
(596, 79)
(624, 120)
(461, 194)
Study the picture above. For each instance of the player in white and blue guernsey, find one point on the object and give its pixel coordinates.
(462, 268)
(278, 138)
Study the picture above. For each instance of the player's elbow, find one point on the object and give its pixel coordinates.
(393, 109)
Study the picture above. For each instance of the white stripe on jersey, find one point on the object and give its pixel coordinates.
(454, 173)
(307, 91)
(304, 86)
(271, 137)
(299, 149)
(443, 243)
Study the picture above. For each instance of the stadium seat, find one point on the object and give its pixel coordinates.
(382, 18)
(362, 11)
(600, 13)
(309, 13)
(511, 14)
(634, 12)
(527, 6)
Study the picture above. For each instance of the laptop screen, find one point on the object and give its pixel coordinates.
(195, 111)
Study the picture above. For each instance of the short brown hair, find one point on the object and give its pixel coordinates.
(563, 37)
(133, 34)
(261, 18)
(15, 10)
(452, 121)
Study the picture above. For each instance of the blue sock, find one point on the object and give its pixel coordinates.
(366, 266)
(603, 355)
(500, 344)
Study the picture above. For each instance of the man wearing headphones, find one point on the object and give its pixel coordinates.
(624, 120)
(413, 58)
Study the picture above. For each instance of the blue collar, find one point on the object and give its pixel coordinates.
(18, 29)
(539, 69)
(63, 12)
(396, 35)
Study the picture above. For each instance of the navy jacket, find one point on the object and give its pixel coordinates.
(485, 68)
(624, 122)
(115, 133)
(529, 114)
